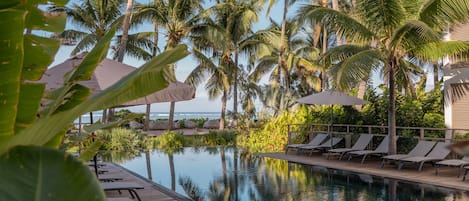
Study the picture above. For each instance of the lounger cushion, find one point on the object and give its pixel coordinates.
(419, 159)
(396, 157)
(453, 162)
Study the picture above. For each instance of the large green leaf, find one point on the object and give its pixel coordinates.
(141, 82)
(42, 174)
(39, 52)
(38, 20)
(28, 104)
(11, 58)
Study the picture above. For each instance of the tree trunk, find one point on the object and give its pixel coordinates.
(392, 109)
(110, 115)
(173, 173)
(171, 116)
(435, 74)
(235, 91)
(125, 31)
(324, 79)
(282, 42)
(104, 117)
(155, 39)
(147, 118)
(335, 6)
(412, 89)
(223, 110)
(361, 93)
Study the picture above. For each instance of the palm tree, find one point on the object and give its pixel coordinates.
(96, 18)
(404, 32)
(125, 31)
(218, 82)
(179, 18)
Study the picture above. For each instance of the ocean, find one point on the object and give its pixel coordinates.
(159, 115)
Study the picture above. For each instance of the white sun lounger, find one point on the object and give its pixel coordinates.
(438, 153)
(361, 144)
(126, 186)
(314, 142)
(421, 149)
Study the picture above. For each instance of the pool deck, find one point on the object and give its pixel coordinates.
(151, 191)
(447, 176)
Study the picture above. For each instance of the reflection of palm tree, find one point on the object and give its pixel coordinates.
(173, 174)
(147, 157)
(191, 189)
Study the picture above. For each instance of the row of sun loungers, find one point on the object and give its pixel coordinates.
(423, 152)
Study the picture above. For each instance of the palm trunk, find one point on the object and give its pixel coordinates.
(155, 39)
(235, 90)
(147, 117)
(125, 31)
(412, 89)
(335, 6)
(223, 110)
(104, 117)
(392, 109)
(324, 85)
(171, 116)
(282, 42)
(361, 93)
(435, 74)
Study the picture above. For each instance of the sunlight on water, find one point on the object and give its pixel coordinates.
(254, 178)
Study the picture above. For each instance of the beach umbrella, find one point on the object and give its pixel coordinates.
(331, 98)
(109, 72)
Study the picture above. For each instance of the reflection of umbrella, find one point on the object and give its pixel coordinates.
(331, 98)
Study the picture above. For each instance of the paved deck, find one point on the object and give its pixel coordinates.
(447, 176)
(151, 191)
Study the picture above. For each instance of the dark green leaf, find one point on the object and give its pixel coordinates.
(11, 58)
(28, 104)
(43, 174)
(39, 52)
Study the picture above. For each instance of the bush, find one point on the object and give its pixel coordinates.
(273, 135)
(121, 139)
(169, 142)
(214, 138)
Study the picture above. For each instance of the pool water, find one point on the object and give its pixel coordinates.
(224, 173)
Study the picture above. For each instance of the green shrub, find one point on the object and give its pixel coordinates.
(273, 135)
(122, 139)
(214, 138)
(169, 142)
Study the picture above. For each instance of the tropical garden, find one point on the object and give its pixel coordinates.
(320, 45)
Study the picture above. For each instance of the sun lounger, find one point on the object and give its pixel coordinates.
(314, 142)
(361, 144)
(460, 163)
(438, 153)
(326, 145)
(382, 149)
(127, 186)
(108, 178)
(421, 149)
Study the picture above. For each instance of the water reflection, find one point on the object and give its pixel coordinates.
(224, 173)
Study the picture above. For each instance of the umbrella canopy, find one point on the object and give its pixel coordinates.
(109, 72)
(331, 98)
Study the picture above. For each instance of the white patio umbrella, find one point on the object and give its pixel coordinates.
(331, 98)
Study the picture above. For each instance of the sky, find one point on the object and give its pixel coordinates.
(201, 102)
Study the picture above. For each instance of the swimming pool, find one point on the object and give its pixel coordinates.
(223, 173)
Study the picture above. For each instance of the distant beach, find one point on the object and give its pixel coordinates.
(160, 115)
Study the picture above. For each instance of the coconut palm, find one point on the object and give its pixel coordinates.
(299, 57)
(402, 31)
(218, 83)
(178, 17)
(91, 20)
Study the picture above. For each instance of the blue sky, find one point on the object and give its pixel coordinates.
(201, 103)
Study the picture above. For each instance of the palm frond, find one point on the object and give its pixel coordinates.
(413, 34)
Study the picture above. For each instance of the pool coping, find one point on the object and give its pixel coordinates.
(156, 186)
(383, 173)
